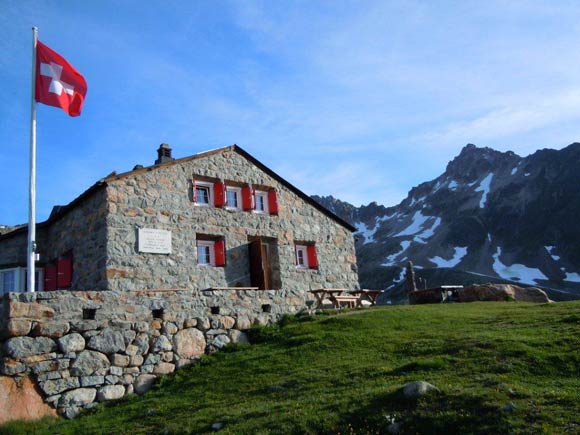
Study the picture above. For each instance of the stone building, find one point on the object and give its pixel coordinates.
(217, 219)
(148, 270)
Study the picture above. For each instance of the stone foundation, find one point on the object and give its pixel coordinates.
(79, 348)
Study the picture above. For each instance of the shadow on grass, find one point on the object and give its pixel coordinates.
(435, 413)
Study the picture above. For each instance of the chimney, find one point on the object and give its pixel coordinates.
(164, 154)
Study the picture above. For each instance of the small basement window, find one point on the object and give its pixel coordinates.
(266, 308)
(215, 310)
(157, 313)
(89, 313)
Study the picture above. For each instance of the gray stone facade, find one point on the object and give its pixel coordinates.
(100, 228)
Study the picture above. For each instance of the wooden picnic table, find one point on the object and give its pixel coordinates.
(331, 293)
(368, 295)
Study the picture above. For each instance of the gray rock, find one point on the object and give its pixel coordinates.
(238, 336)
(107, 341)
(117, 371)
(169, 328)
(414, 390)
(48, 376)
(132, 350)
(111, 379)
(221, 341)
(79, 397)
(18, 347)
(57, 386)
(142, 343)
(10, 367)
(91, 381)
(144, 383)
(110, 392)
(71, 343)
(51, 329)
(509, 407)
(162, 344)
(217, 426)
(136, 361)
(152, 358)
(89, 362)
(69, 412)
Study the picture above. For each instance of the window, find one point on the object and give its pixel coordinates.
(202, 193)
(234, 198)
(306, 257)
(302, 256)
(205, 253)
(7, 281)
(211, 252)
(261, 198)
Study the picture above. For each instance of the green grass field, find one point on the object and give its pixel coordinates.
(340, 373)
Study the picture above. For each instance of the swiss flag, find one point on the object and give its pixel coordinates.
(58, 83)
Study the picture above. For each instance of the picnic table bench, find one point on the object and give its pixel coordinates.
(337, 298)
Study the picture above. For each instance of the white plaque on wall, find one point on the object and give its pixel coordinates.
(154, 241)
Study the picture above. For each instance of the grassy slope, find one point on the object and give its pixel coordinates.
(340, 374)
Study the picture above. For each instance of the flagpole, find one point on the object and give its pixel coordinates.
(32, 191)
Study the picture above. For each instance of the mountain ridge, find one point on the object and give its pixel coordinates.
(491, 212)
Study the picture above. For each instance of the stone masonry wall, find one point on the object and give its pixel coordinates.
(76, 361)
(162, 198)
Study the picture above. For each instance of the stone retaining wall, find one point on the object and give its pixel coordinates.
(80, 348)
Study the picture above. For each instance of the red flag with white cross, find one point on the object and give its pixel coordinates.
(58, 83)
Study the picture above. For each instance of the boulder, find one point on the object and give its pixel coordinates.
(18, 347)
(71, 343)
(18, 327)
(162, 344)
(57, 386)
(51, 329)
(414, 390)
(21, 401)
(89, 362)
(120, 360)
(78, 397)
(30, 310)
(144, 383)
(110, 392)
(502, 292)
(189, 343)
(164, 368)
(107, 341)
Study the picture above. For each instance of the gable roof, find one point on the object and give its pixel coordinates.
(60, 211)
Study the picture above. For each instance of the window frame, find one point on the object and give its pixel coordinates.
(301, 248)
(238, 194)
(210, 244)
(263, 194)
(210, 196)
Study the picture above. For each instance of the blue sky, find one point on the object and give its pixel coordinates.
(359, 99)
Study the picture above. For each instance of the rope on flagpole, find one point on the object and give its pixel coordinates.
(32, 186)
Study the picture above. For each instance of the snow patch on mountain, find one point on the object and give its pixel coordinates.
(390, 260)
(550, 250)
(572, 276)
(484, 187)
(452, 262)
(453, 185)
(427, 232)
(367, 233)
(418, 222)
(516, 272)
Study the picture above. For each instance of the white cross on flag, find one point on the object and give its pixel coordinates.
(58, 83)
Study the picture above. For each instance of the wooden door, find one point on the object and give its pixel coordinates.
(260, 268)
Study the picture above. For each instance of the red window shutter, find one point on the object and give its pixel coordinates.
(219, 194)
(273, 202)
(220, 253)
(49, 278)
(64, 272)
(247, 198)
(312, 258)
